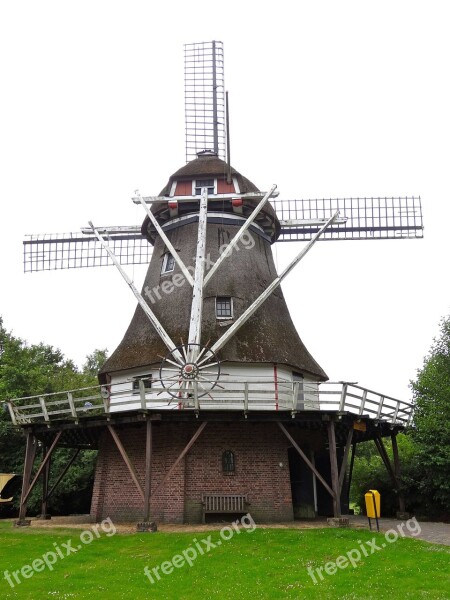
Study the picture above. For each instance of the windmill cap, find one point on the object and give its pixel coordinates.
(208, 164)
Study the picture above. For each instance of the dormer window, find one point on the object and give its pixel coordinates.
(168, 263)
(198, 184)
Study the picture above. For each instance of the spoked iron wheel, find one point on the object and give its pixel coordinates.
(186, 364)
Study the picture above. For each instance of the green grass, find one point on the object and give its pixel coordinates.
(265, 563)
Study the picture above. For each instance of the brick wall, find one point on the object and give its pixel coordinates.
(259, 449)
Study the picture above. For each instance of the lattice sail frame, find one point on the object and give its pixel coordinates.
(365, 218)
(360, 219)
(204, 98)
(50, 252)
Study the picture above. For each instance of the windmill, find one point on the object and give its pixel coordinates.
(212, 339)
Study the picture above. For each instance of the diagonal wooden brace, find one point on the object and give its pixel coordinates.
(306, 459)
(126, 460)
(180, 457)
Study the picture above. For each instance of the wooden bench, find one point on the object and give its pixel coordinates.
(223, 503)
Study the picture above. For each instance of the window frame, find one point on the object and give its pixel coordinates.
(231, 316)
(135, 382)
(164, 270)
(213, 186)
(228, 466)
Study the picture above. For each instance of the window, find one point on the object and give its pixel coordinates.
(201, 183)
(168, 263)
(147, 379)
(224, 307)
(228, 462)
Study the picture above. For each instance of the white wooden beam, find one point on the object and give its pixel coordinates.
(195, 324)
(165, 239)
(229, 196)
(143, 304)
(275, 283)
(309, 222)
(229, 249)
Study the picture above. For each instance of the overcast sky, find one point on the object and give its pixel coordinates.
(327, 99)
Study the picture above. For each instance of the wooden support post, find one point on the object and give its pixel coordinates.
(45, 480)
(350, 472)
(42, 466)
(64, 471)
(313, 462)
(398, 474)
(345, 459)
(334, 469)
(180, 457)
(387, 463)
(148, 470)
(306, 459)
(126, 460)
(30, 453)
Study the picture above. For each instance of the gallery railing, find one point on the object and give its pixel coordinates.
(234, 395)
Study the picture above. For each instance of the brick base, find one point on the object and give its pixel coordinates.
(261, 472)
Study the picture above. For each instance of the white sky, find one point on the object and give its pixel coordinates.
(327, 99)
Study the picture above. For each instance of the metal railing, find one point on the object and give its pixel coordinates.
(233, 395)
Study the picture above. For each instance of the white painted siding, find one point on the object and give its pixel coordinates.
(264, 392)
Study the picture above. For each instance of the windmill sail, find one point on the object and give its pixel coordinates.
(204, 98)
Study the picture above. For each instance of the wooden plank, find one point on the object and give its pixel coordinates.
(126, 460)
(142, 394)
(72, 405)
(148, 469)
(30, 453)
(387, 462)
(398, 474)
(45, 480)
(12, 414)
(63, 472)
(306, 459)
(180, 457)
(42, 465)
(44, 408)
(195, 323)
(345, 459)
(334, 469)
(350, 472)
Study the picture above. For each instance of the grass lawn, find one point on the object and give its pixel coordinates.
(264, 563)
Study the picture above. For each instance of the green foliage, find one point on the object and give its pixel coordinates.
(28, 370)
(370, 473)
(431, 432)
(424, 451)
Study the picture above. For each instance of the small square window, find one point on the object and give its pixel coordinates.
(224, 307)
(168, 263)
(147, 379)
(201, 183)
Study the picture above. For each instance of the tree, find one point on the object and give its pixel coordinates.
(431, 431)
(94, 362)
(28, 370)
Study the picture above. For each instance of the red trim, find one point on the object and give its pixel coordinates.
(275, 378)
